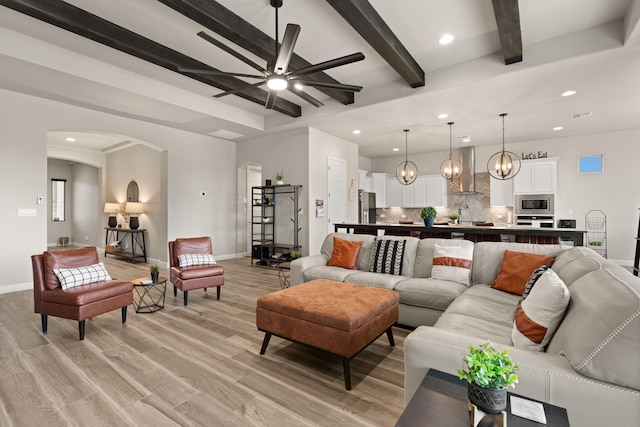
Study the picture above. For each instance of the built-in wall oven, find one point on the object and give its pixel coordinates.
(535, 210)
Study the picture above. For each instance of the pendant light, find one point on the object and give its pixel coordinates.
(407, 171)
(504, 164)
(451, 168)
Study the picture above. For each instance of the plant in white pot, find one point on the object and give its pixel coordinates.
(454, 217)
(429, 215)
(280, 177)
(489, 373)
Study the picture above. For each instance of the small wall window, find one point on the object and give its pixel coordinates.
(591, 164)
(57, 199)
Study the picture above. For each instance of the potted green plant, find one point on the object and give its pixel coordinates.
(429, 215)
(155, 271)
(280, 177)
(489, 373)
(454, 217)
(294, 254)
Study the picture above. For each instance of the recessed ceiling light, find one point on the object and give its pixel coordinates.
(558, 128)
(71, 139)
(396, 149)
(356, 131)
(466, 139)
(446, 39)
(298, 86)
(569, 93)
(443, 116)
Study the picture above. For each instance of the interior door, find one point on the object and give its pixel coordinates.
(254, 179)
(337, 189)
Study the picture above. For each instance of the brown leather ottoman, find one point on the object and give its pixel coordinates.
(340, 318)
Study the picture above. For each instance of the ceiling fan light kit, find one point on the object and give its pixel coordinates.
(451, 168)
(504, 164)
(407, 171)
(276, 76)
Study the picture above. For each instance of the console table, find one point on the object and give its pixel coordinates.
(441, 400)
(138, 246)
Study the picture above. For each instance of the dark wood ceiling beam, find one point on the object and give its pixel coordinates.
(83, 23)
(219, 19)
(370, 25)
(507, 15)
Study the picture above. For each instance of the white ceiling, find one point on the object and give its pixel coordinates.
(588, 46)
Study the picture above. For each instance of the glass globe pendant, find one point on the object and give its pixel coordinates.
(504, 164)
(407, 171)
(451, 168)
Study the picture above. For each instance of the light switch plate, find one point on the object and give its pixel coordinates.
(27, 212)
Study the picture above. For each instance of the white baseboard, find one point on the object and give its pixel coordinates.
(16, 287)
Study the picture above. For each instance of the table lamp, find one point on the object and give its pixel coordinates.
(133, 209)
(112, 208)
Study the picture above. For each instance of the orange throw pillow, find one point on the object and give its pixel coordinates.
(516, 269)
(345, 253)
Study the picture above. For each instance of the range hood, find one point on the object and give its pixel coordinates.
(466, 184)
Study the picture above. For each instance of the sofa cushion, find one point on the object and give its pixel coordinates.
(377, 280)
(576, 262)
(452, 263)
(387, 256)
(426, 248)
(66, 259)
(344, 254)
(540, 313)
(78, 276)
(487, 257)
(365, 251)
(430, 293)
(337, 274)
(516, 269)
(600, 330)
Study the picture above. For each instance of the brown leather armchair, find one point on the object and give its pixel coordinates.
(80, 302)
(197, 276)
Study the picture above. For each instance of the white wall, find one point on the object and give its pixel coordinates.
(288, 151)
(615, 191)
(59, 169)
(195, 162)
(87, 208)
(322, 146)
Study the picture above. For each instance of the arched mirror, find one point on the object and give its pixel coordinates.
(132, 192)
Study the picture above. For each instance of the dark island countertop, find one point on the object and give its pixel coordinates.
(577, 236)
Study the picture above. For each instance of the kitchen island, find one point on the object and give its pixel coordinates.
(572, 234)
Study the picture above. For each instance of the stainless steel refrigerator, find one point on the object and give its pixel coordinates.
(366, 207)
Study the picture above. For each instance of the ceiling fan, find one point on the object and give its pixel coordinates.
(276, 75)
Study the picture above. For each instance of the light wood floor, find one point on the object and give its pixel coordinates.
(194, 365)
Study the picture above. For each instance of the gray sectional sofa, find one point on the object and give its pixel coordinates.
(591, 366)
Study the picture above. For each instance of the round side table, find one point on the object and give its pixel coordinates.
(150, 295)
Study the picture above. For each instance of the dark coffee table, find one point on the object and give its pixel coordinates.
(150, 296)
(441, 400)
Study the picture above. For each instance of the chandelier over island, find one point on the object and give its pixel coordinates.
(504, 164)
(407, 171)
(451, 168)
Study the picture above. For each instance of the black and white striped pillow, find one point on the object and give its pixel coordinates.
(387, 256)
(71, 277)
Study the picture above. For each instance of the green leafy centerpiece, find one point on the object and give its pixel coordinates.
(429, 215)
(489, 373)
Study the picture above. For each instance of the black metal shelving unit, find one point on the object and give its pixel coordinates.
(265, 202)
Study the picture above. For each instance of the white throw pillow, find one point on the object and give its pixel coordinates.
(188, 260)
(537, 317)
(452, 263)
(77, 276)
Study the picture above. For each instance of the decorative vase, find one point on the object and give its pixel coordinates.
(113, 221)
(154, 276)
(428, 222)
(134, 223)
(455, 221)
(488, 400)
(280, 182)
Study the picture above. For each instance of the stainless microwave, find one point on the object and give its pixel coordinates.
(539, 204)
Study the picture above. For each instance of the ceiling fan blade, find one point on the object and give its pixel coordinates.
(302, 94)
(232, 52)
(332, 63)
(271, 99)
(233, 91)
(286, 48)
(219, 73)
(338, 86)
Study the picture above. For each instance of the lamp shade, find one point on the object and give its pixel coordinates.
(134, 208)
(112, 207)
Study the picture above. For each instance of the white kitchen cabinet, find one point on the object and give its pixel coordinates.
(436, 189)
(407, 199)
(379, 186)
(420, 196)
(500, 192)
(364, 180)
(536, 176)
(394, 193)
